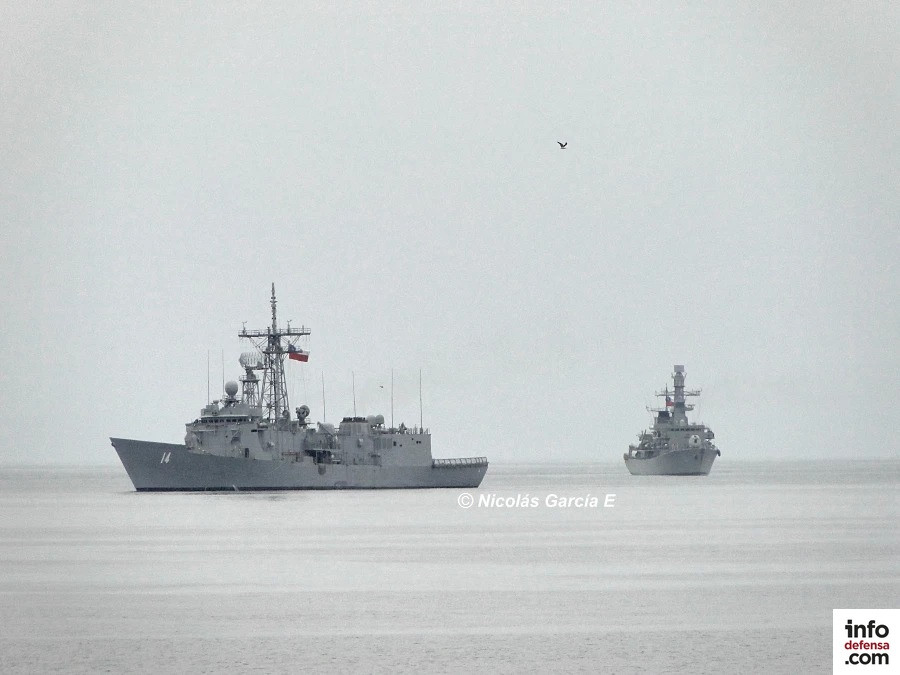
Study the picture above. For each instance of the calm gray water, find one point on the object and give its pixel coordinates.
(735, 572)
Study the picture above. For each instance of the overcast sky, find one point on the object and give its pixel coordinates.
(728, 200)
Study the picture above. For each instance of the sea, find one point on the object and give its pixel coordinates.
(543, 568)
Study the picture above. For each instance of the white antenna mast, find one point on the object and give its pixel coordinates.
(392, 398)
(420, 399)
(353, 384)
(324, 419)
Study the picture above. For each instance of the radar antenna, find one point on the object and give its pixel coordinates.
(250, 362)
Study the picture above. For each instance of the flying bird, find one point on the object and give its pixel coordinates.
(562, 146)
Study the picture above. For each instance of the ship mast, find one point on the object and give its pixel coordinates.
(677, 402)
(679, 405)
(274, 343)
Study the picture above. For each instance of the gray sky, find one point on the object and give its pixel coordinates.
(728, 200)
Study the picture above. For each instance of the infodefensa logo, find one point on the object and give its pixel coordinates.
(862, 637)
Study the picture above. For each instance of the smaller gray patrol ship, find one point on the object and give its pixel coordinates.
(249, 441)
(674, 446)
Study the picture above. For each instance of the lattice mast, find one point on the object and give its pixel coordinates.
(274, 344)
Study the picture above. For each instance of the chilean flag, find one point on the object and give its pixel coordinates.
(669, 402)
(297, 354)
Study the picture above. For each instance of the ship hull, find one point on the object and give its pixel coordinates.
(675, 463)
(161, 467)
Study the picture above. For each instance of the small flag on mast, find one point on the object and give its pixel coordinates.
(669, 402)
(297, 354)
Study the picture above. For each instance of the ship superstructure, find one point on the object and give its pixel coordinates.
(674, 446)
(248, 440)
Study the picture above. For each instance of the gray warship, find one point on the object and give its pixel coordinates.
(674, 446)
(251, 442)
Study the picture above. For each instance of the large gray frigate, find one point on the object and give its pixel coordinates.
(674, 446)
(251, 442)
